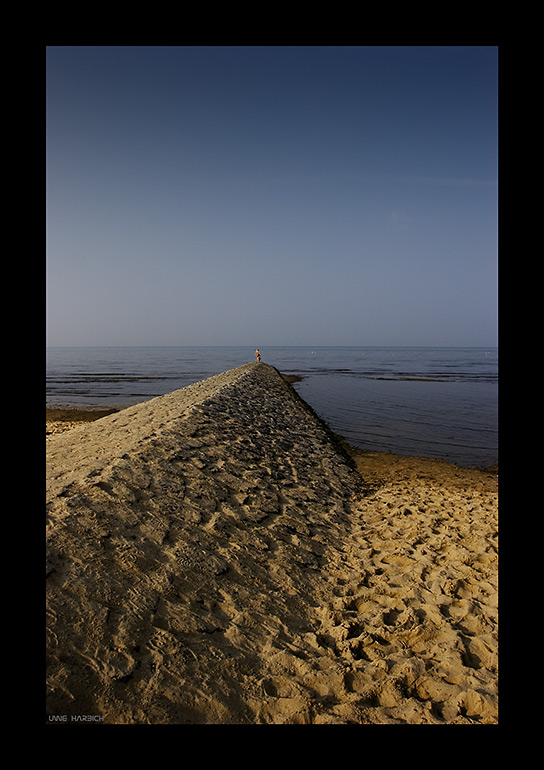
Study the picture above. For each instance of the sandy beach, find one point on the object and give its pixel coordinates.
(218, 556)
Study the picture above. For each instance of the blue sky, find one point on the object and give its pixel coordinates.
(271, 195)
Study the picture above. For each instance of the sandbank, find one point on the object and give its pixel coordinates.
(217, 556)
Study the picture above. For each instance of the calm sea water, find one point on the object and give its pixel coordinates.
(431, 402)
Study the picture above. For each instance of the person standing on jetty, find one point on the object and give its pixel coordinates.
(257, 356)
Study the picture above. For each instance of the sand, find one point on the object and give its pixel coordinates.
(216, 556)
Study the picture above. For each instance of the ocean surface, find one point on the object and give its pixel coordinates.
(430, 402)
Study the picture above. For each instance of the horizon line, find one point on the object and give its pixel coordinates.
(306, 345)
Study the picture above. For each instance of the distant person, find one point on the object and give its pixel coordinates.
(257, 355)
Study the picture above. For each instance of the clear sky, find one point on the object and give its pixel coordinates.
(272, 195)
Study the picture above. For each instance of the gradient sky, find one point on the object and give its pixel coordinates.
(272, 195)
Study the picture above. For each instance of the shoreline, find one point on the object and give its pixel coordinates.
(223, 538)
(61, 418)
(375, 468)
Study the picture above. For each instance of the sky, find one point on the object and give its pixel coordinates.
(272, 195)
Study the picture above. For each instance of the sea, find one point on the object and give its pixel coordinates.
(429, 402)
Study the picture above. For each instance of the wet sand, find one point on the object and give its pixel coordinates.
(217, 556)
(59, 419)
